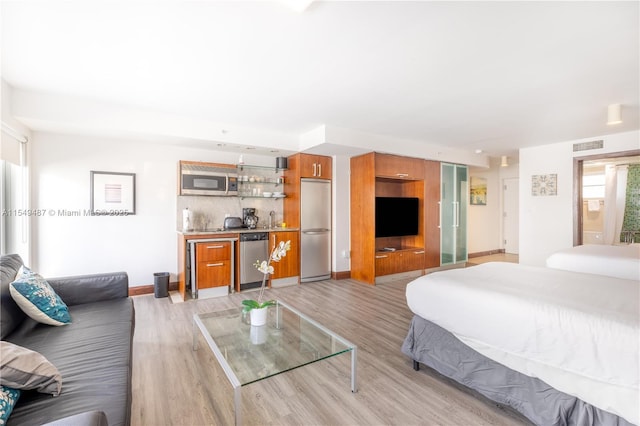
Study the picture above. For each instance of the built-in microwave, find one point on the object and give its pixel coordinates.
(207, 179)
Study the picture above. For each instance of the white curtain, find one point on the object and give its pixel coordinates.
(615, 195)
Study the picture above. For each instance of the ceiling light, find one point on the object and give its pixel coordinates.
(478, 151)
(504, 162)
(613, 114)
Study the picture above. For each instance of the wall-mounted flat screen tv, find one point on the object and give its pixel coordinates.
(397, 216)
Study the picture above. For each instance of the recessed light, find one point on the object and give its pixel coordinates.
(250, 147)
(478, 151)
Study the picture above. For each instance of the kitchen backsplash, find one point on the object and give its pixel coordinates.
(209, 212)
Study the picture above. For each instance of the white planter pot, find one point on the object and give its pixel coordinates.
(258, 316)
(258, 334)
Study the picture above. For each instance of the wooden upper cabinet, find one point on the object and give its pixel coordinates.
(315, 166)
(399, 167)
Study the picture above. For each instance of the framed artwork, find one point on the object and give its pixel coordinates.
(543, 185)
(478, 191)
(113, 194)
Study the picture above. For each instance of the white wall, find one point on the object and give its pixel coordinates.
(341, 214)
(546, 223)
(139, 244)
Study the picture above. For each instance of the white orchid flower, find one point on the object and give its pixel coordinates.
(265, 268)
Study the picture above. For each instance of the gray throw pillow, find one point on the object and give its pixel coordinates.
(23, 368)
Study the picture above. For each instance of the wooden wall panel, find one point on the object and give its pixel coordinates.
(432, 214)
(363, 192)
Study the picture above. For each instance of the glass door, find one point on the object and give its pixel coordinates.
(447, 211)
(462, 200)
(454, 198)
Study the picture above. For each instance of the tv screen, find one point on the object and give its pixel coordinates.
(397, 216)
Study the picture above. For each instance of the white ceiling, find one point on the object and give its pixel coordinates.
(494, 76)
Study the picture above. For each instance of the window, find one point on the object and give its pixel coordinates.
(593, 186)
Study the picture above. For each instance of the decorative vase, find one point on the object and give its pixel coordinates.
(258, 316)
(258, 334)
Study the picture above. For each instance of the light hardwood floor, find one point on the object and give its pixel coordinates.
(173, 385)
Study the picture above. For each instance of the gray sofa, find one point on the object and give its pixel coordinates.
(93, 353)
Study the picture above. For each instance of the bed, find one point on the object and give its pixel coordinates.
(560, 347)
(620, 261)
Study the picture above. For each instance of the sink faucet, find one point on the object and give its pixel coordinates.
(271, 215)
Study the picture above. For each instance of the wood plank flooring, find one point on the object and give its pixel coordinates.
(174, 385)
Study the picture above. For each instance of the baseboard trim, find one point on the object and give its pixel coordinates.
(485, 253)
(342, 275)
(149, 289)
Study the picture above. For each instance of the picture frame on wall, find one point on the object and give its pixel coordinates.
(478, 191)
(544, 185)
(113, 193)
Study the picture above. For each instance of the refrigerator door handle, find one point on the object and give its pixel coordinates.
(315, 231)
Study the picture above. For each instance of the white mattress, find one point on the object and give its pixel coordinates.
(579, 333)
(620, 261)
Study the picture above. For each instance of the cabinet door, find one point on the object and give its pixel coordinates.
(323, 167)
(315, 166)
(213, 273)
(214, 250)
(399, 167)
(386, 263)
(288, 265)
(412, 260)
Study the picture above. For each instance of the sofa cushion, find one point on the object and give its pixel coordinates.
(23, 368)
(8, 399)
(12, 315)
(37, 299)
(93, 355)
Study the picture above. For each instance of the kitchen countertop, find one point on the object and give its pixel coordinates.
(215, 231)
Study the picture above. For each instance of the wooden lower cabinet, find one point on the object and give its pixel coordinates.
(394, 262)
(213, 264)
(289, 266)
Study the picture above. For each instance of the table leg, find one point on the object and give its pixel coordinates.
(237, 404)
(354, 356)
(195, 336)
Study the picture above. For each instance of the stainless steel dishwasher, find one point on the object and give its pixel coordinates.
(253, 246)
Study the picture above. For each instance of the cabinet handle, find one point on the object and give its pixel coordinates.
(402, 174)
(274, 240)
(419, 252)
(456, 214)
(381, 256)
(214, 264)
(319, 169)
(439, 214)
(215, 247)
(314, 169)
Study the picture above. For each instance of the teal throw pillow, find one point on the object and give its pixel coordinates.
(37, 299)
(8, 398)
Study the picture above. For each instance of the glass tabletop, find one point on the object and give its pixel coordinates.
(288, 340)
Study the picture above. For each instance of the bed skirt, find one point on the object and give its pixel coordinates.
(435, 347)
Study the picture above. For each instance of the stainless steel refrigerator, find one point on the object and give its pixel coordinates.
(315, 230)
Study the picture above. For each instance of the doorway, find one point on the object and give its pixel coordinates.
(590, 202)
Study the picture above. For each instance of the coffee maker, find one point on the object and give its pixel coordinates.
(249, 217)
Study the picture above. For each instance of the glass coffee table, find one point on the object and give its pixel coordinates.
(248, 354)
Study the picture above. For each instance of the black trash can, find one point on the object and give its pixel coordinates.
(161, 284)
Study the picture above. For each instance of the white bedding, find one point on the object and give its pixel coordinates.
(621, 261)
(579, 333)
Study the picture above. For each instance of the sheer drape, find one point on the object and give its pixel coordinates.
(614, 202)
